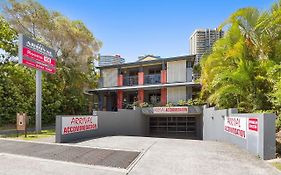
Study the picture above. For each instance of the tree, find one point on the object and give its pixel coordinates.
(236, 72)
(17, 89)
(274, 75)
(76, 47)
(72, 41)
(8, 37)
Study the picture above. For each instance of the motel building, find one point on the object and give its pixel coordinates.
(154, 82)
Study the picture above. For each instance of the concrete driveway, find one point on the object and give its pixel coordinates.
(177, 156)
(158, 156)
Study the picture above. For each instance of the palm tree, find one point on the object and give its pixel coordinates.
(233, 74)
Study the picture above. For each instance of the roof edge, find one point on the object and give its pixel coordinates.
(149, 62)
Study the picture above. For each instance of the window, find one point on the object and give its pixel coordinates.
(188, 64)
(154, 71)
(154, 98)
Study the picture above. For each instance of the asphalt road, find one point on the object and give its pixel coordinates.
(75, 154)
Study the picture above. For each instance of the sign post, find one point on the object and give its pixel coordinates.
(38, 111)
(42, 58)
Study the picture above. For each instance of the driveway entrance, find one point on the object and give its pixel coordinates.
(163, 156)
(168, 156)
(174, 122)
(173, 126)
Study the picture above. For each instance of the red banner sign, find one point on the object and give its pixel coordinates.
(38, 66)
(236, 126)
(170, 110)
(38, 57)
(253, 124)
(79, 124)
(35, 55)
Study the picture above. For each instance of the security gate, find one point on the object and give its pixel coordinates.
(173, 126)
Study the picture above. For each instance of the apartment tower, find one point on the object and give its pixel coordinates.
(202, 40)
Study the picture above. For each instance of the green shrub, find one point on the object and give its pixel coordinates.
(278, 123)
(169, 105)
(182, 103)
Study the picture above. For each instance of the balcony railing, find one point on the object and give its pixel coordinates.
(152, 79)
(130, 80)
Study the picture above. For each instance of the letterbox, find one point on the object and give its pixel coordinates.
(21, 121)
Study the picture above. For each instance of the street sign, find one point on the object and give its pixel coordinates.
(253, 124)
(36, 55)
(42, 58)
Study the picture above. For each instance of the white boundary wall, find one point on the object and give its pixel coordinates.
(254, 132)
(123, 122)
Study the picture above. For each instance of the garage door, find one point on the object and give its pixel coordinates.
(173, 126)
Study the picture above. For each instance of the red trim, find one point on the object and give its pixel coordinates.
(38, 66)
(253, 124)
(141, 95)
(163, 96)
(119, 99)
(120, 80)
(140, 78)
(38, 57)
(163, 76)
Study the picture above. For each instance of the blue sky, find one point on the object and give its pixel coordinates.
(137, 27)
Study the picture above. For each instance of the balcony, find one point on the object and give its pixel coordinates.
(130, 80)
(152, 79)
(100, 83)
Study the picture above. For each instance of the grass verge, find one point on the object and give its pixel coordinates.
(7, 127)
(31, 135)
(277, 165)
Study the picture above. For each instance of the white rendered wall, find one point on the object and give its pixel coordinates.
(189, 72)
(110, 77)
(174, 94)
(188, 93)
(176, 71)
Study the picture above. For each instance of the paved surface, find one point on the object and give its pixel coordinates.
(131, 143)
(50, 139)
(159, 156)
(178, 156)
(84, 155)
(21, 165)
(199, 157)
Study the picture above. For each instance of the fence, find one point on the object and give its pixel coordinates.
(254, 132)
(123, 122)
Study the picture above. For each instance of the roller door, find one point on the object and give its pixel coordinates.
(173, 126)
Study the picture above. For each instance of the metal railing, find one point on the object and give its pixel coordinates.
(152, 79)
(130, 80)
